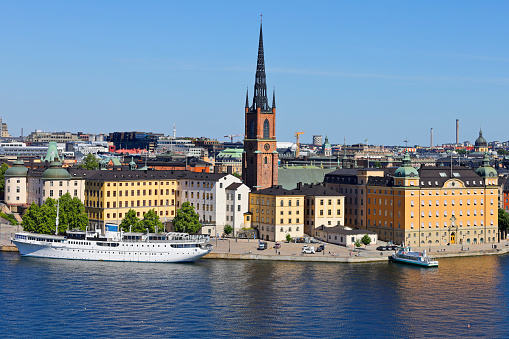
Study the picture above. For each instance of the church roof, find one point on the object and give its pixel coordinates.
(480, 141)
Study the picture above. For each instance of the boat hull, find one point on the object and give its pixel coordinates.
(124, 252)
(413, 262)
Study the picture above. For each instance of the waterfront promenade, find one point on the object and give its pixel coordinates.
(243, 249)
(247, 249)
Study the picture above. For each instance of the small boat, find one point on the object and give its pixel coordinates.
(406, 256)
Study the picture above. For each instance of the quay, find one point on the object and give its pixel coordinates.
(247, 249)
(243, 249)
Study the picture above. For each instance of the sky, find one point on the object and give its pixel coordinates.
(386, 71)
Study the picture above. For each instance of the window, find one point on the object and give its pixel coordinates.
(266, 129)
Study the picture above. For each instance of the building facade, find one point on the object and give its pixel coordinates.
(260, 157)
(276, 212)
(219, 199)
(351, 183)
(434, 206)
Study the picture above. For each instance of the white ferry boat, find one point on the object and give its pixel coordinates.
(114, 246)
(405, 255)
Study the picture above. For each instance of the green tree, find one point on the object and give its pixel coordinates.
(366, 240)
(42, 219)
(503, 221)
(151, 221)
(462, 151)
(130, 222)
(288, 237)
(357, 243)
(378, 164)
(186, 219)
(32, 218)
(501, 151)
(237, 175)
(71, 214)
(90, 162)
(4, 167)
(228, 229)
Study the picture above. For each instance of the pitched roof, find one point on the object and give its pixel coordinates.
(316, 190)
(234, 186)
(277, 190)
(289, 177)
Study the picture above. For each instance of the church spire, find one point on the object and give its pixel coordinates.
(260, 89)
(247, 97)
(274, 98)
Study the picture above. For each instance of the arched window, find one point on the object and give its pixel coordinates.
(266, 128)
(251, 129)
(265, 160)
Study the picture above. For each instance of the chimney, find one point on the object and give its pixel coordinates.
(457, 131)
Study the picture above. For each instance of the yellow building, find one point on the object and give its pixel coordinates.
(323, 207)
(434, 206)
(109, 195)
(276, 212)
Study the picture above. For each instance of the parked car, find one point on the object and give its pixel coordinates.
(308, 249)
(262, 245)
(381, 248)
(277, 245)
(320, 248)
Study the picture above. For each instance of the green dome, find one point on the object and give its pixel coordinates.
(480, 141)
(18, 169)
(486, 170)
(55, 171)
(406, 169)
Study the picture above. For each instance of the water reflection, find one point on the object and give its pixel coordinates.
(254, 299)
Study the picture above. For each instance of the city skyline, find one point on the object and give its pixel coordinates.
(404, 67)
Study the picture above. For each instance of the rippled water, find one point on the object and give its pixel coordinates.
(221, 298)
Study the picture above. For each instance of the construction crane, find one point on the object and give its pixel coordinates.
(231, 136)
(297, 144)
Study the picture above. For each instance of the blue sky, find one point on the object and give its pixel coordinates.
(381, 70)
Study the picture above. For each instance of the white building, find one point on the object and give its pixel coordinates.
(219, 199)
(344, 236)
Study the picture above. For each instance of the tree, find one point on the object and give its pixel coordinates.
(288, 237)
(130, 222)
(90, 162)
(462, 151)
(237, 175)
(378, 164)
(4, 167)
(42, 219)
(186, 219)
(228, 229)
(71, 214)
(366, 240)
(151, 221)
(501, 151)
(357, 243)
(503, 221)
(32, 219)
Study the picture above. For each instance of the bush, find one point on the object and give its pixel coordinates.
(10, 218)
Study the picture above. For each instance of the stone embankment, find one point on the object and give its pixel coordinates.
(242, 249)
(6, 232)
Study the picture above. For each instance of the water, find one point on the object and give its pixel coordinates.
(259, 299)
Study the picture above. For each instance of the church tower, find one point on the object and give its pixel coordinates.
(260, 157)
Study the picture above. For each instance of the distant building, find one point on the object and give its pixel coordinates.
(130, 140)
(45, 137)
(481, 145)
(317, 140)
(229, 161)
